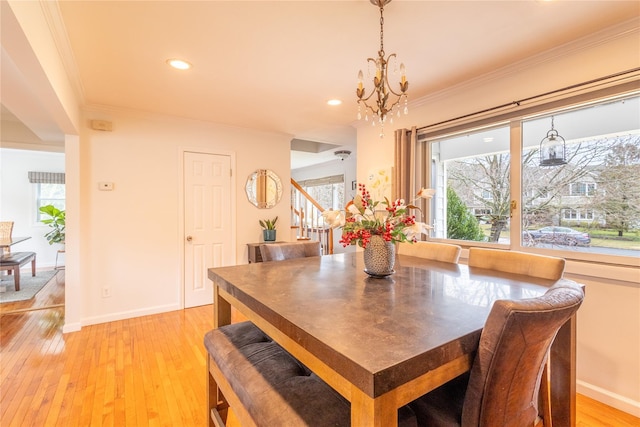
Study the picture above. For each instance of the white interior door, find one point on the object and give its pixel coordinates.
(207, 228)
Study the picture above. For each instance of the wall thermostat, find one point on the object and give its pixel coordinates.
(105, 186)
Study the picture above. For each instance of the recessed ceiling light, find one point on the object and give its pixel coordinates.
(334, 102)
(179, 64)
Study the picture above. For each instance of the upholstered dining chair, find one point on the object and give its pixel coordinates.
(6, 229)
(436, 251)
(533, 265)
(502, 387)
(289, 250)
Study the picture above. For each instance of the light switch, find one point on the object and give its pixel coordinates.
(105, 186)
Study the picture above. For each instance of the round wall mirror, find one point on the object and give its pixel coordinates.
(264, 188)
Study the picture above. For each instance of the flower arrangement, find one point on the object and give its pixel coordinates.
(363, 218)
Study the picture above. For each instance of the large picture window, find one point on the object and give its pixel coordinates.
(473, 171)
(594, 199)
(587, 206)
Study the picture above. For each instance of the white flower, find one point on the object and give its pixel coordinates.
(426, 193)
(333, 218)
(416, 230)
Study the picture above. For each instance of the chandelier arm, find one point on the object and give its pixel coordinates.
(386, 77)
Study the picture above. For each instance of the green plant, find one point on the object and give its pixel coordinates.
(461, 224)
(56, 221)
(268, 224)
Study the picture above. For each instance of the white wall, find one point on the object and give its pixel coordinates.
(609, 320)
(18, 200)
(131, 236)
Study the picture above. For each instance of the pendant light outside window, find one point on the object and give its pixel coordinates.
(553, 149)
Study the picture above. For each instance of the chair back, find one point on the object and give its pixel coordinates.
(288, 250)
(505, 377)
(533, 265)
(6, 230)
(436, 251)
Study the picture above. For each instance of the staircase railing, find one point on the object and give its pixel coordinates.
(306, 217)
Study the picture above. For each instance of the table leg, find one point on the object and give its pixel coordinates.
(221, 309)
(366, 411)
(16, 277)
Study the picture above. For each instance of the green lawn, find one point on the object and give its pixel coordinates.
(599, 238)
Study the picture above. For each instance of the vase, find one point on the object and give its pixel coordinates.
(269, 235)
(379, 257)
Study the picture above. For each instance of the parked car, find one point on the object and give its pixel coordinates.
(557, 236)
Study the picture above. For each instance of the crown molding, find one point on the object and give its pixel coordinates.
(53, 16)
(604, 36)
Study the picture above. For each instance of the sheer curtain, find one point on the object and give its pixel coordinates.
(410, 170)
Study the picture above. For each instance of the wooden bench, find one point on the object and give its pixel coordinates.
(267, 386)
(14, 260)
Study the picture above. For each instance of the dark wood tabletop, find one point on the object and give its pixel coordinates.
(378, 335)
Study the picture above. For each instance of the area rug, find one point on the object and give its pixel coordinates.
(29, 285)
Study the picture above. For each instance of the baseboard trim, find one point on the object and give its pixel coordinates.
(71, 327)
(607, 397)
(112, 317)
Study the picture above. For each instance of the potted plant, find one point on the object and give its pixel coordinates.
(269, 229)
(56, 221)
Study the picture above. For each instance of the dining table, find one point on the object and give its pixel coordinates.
(383, 342)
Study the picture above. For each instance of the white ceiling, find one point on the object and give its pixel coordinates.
(272, 65)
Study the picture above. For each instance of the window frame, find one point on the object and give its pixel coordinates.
(39, 199)
(515, 120)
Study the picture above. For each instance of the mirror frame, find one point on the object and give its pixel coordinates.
(263, 188)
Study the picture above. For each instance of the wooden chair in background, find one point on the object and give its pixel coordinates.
(443, 252)
(6, 230)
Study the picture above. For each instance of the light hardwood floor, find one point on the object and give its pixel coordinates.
(147, 371)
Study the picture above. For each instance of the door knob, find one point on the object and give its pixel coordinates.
(189, 238)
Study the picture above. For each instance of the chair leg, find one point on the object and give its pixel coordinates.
(33, 266)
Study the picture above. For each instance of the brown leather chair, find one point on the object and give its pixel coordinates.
(436, 251)
(289, 250)
(502, 387)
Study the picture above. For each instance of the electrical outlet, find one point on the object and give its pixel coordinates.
(106, 292)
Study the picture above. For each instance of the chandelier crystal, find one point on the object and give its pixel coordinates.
(381, 106)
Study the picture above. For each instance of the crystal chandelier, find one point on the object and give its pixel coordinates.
(383, 106)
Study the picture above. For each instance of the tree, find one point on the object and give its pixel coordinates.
(485, 181)
(618, 191)
(460, 223)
